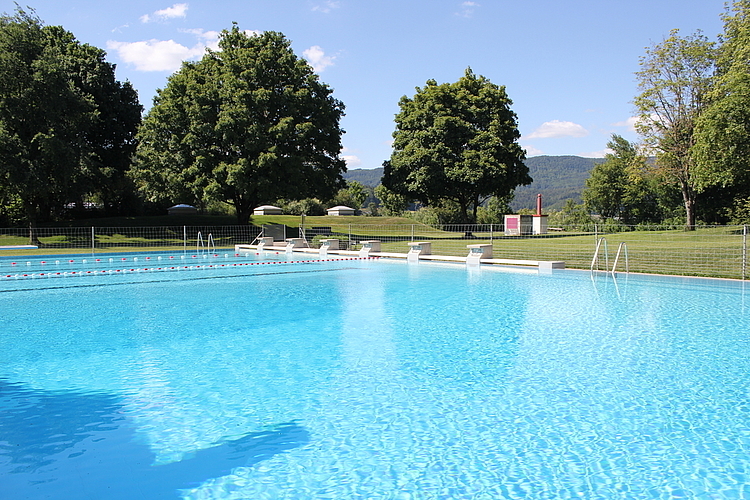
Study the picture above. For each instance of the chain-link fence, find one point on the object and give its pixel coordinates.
(114, 239)
(716, 251)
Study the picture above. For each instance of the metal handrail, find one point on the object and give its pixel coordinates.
(617, 258)
(201, 247)
(211, 243)
(595, 260)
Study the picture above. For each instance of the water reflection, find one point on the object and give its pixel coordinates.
(75, 445)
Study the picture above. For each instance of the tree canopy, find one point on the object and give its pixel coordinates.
(625, 187)
(67, 127)
(722, 135)
(456, 143)
(674, 78)
(247, 124)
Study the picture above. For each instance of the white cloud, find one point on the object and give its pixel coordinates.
(168, 55)
(326, 6)
(210, 39)
(629, 123)
(532, 151)
(176, 10)
(557, 128)
(351, 160)
(155, 55)
(317, 58)
(467, 9)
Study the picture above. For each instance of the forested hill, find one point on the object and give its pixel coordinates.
(558, 178)
(367, 177)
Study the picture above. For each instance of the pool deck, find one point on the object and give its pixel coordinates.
(541, 264)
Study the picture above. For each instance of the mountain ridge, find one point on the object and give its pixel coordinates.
(557, 178)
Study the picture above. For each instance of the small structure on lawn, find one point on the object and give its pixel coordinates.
(517, 225)
(267, 210)
(182, 209)
(341, 210)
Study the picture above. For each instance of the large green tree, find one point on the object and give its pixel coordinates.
(624, 186)
(722, 135)
(456, 143)
(247, 124)
(605, 189)
(67, 127)
(674, 78)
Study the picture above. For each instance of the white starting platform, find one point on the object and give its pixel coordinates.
(417, 249)
(369, 246)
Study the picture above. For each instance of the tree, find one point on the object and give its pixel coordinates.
(722, 133)
(493, 212)
(456, 142)
(624, 186)
(247, 124)
(605, 189)
(674, 79)
(573, 216)
(67, 127)
(393, 204)
(353, 195)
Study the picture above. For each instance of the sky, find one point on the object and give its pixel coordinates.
(568, 66)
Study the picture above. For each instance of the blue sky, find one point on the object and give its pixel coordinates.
(568, 66)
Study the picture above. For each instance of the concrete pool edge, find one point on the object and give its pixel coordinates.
(448, 258)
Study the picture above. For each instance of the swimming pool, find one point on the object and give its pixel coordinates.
(373, 379)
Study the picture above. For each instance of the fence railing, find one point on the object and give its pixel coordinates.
(114, 239)
(715, 251)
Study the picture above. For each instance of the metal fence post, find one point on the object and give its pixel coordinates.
(93, 240)
(596, 233)
(184, 240)
(744, 252)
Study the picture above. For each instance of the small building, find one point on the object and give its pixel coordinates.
(267, 210)
(340, 210)
(518, 225)
(182, 209)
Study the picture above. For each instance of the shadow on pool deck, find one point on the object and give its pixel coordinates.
(79, 446)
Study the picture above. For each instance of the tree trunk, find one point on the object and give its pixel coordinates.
(31, 216)
(688, 197)
(244, 209)
(33, 236)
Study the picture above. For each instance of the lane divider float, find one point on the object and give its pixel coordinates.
(168, 268)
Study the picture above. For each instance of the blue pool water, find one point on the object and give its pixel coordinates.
(371, 379)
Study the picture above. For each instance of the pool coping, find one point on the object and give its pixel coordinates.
(541, 264)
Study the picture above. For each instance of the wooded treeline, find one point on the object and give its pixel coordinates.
(251, 123)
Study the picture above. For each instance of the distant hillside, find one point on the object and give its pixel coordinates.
(367, 177)
(558, 178)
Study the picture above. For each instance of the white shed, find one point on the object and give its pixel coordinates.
(182, 209)
(267, 210)
(340, 210)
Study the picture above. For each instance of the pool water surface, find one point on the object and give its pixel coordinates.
(372, 379)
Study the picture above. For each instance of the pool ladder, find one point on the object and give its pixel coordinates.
(595, 261)
(200, 247)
